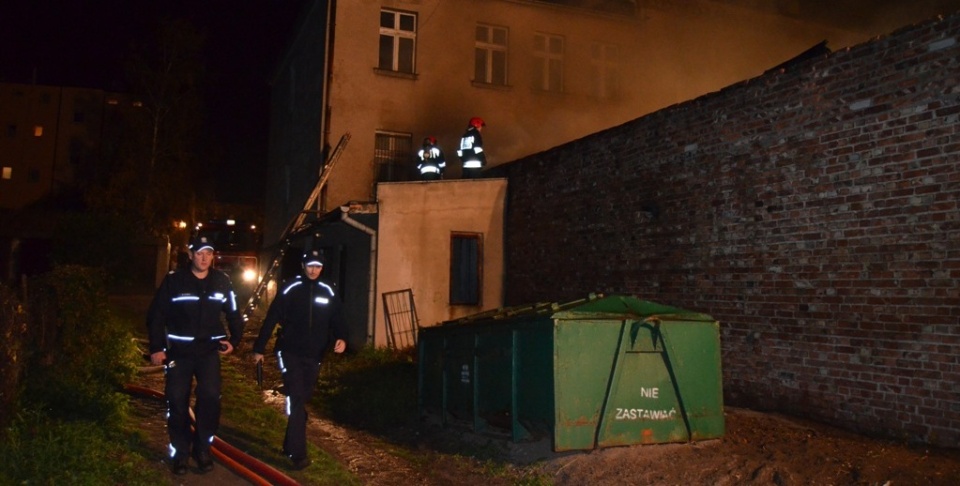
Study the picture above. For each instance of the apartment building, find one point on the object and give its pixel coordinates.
(50, 136)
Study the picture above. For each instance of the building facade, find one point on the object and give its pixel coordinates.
(444, 242)
(424, 253)
(539, 73)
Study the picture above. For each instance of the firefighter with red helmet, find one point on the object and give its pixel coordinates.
(431, 162)
(471, 149)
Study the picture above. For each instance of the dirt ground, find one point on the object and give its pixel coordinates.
(758, 448)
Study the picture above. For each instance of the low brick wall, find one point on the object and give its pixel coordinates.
(813, 211)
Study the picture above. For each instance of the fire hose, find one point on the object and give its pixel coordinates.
(245, 465)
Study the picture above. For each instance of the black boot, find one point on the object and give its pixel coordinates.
(299, 463)
(204, 461)
(179, 465)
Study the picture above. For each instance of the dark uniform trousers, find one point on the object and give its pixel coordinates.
(179, 374)
(300, 380)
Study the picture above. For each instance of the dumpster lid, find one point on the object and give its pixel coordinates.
(593, 306)
(620, 305)
(526, 310)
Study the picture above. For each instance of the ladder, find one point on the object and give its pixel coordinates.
(294, 227)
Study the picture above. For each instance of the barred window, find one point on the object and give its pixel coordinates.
(393, 156)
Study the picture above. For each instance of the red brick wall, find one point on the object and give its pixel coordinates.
(813, 212)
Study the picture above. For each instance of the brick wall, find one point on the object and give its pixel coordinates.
(812, 211)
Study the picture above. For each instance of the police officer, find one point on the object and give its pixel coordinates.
(309, 316)
(471, 149)
(432, 161)
(187, 336)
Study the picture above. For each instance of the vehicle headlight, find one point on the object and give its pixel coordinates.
(249, 275)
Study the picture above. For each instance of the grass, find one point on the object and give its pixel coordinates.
(70, 423)
(39, 450)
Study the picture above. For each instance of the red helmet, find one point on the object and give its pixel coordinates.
(431, 140)
(477, 122)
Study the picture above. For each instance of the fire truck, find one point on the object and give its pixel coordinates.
(236, 251)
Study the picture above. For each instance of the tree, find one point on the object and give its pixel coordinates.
(151, 173)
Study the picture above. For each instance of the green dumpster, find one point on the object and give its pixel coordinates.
(597, 372)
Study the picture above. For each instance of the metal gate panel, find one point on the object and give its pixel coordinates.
(401, 317)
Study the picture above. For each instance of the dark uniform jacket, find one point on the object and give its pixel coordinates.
(184, 317)
(471, 149)
(431, 160)
(310, 319)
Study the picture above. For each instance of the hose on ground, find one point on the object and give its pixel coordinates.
(240, 462)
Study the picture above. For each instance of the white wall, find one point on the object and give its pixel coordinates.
(416, 221)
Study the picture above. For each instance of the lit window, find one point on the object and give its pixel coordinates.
(138, 104)
(605, 83)
(7, 173)
(466, 264)
(112, 101)
(490, 65)
(398, 39)
(393, 154)
(548, 62)
(38, 131)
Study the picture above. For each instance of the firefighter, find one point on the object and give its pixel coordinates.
(187, 337)
(432, 162)
(471, 149)
(310, 319)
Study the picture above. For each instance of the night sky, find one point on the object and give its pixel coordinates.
(85, 44)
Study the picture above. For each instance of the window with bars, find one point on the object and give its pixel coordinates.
(466, 265)
(393, 155)
(548, 62)
(490, 63)
(398, 41)
(605, 80)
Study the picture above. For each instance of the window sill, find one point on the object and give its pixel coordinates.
(547, 92)
(395, 74)
(499, 87)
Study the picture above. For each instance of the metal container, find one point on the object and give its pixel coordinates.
(597, 372)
